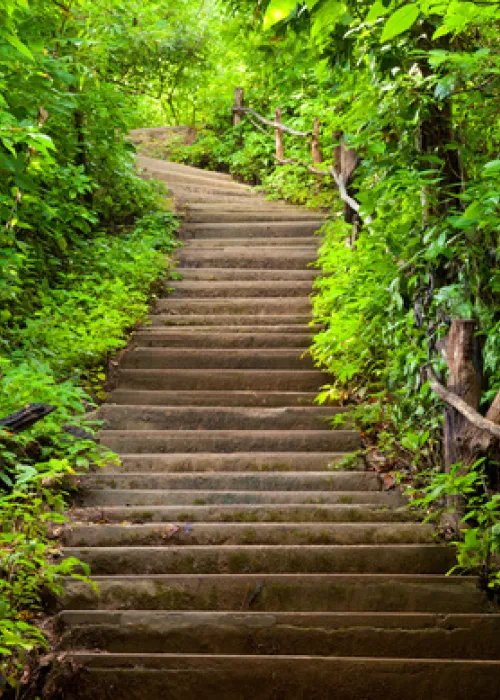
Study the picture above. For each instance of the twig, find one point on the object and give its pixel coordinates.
(339, 181)
(462, 407)
(257, 126)
(268, 122)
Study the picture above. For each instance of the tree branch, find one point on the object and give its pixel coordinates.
(339, 181)
(462, 407)
(268, 122)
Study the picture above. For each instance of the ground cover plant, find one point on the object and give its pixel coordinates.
(83, 240)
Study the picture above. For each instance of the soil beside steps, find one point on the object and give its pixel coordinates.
(234, 559)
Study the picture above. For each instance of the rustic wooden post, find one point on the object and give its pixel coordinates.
(238, 104)
(280, 150)
(315, 149)
(463, 357)
(337, 152)
(345, 161)
(464, 380)
(468, 436)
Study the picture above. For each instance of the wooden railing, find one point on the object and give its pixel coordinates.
(345, 160)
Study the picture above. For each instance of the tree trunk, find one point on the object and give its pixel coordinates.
(463, 356)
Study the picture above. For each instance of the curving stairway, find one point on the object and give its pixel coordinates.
(234, 560)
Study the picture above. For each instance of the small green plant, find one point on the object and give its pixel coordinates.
(348, 463)
(50, 361)
(463, 494)
(31, 567)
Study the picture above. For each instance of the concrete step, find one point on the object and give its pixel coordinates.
(247, 306)
(170, 166)
(277, 205)
(221, 380)
(192, 497)
(253, 289)
(219, 274)
(208, 338)
(216, 418)
(236, 462)
(184, 197)
(287, 322)
(282, 593)
(153, 331)
(211, 398)
(238, 481)
(216, 358)
(249, 215)
(306, 244)
(135, 676)
(346, 512)
(199, 179)
(216, 534)
(278, 258)
(254, 229)
(230, 440)
(241, 559)
(397, 635)
(186, 194)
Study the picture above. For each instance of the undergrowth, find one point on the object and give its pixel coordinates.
(58, 357)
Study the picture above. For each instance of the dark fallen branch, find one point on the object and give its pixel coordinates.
(268, 122)
(26, 417)
(462, 407)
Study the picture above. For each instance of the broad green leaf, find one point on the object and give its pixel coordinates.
(400, 21)
(376, 10)
(326, 17)
(311, 4)
(18, 44)
(492, 167)
(277, 11)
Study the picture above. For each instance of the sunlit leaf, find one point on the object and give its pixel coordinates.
(400, 21)
(18, 44)
(277, 11)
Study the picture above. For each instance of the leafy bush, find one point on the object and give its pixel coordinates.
(55, 358)
(463, 496)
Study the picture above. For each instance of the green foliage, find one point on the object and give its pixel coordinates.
(104, 293)
(49, 359)
(413, 88)
(30, 559)
(464, 495)
(82, 241)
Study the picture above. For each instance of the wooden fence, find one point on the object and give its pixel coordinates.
(345, 160)
(468, 435)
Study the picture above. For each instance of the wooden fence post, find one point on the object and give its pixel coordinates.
(315, 149)
(337, 152)
(280, 150)
(238, 103)
(463, 357)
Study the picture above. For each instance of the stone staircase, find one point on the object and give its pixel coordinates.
(234, 559)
